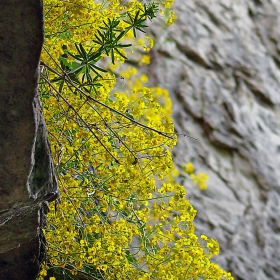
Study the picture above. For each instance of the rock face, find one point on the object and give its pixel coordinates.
(27, 177)
(221, 64)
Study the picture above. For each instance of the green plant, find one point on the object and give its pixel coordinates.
(120, 217)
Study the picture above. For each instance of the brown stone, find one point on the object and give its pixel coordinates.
(26, 167)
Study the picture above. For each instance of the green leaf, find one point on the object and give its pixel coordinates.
(56, 79)
(74, 64)
(130, 116)
(100, 69)
(75, 56)
(121, 54)
(134, 32)
(138, 28)
(65, 35)
(77, 70)
(101, 35)
(98, 41)
(83, 51)
(129, 257)
(113, 56)
(61, 86)
(96, 73)
(123, 45)
(120, 35)
(94, 56)
(131, 19)
(136, 16)
(80, 52)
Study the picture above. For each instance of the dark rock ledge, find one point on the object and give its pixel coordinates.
(27, 178)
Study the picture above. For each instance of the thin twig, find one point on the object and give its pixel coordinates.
(78, 115)
(66, 78)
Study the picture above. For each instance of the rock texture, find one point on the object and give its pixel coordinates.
(27, 177)
(221, 63)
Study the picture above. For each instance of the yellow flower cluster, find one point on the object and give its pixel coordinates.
(116, 220)
(199, 178)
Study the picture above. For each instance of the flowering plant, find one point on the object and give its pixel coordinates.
(121, 214)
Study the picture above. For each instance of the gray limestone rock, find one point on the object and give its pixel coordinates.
(221, 64)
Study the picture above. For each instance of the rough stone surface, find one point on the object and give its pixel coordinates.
(27, 177)
(221, 63)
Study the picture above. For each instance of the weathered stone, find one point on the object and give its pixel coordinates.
(27, 177)
(221, 63)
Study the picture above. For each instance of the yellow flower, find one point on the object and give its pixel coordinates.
(168, 3)
(102, 267)
(171, 18)
(200, 179)
(189, 168)
(101, 212)
(43, 272)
